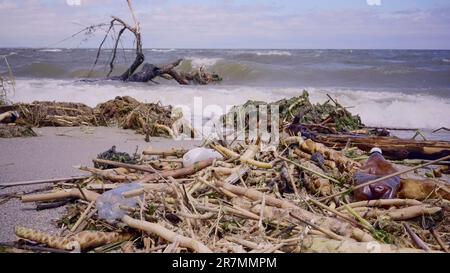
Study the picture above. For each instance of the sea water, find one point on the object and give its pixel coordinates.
(390, 88)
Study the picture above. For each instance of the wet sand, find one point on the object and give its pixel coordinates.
(52, 155)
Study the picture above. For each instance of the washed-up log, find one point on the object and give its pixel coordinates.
(393, 148)
(423, 189)
(81, 241)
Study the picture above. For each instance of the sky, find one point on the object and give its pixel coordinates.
(293, 24)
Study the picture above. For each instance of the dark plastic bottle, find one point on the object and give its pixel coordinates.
(375, 167)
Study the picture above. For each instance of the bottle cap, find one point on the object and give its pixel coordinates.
(376, 150)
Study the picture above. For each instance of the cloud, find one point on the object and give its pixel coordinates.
(227, 24)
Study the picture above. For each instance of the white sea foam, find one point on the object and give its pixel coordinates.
(446, 60)
(162, 50)
(375, 108)
(51, 50)
(198, 62)
(273, 53)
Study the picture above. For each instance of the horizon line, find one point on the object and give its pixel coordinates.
(217, 48)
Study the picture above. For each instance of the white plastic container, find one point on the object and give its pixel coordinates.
(199, 154)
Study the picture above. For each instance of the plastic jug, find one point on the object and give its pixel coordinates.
(375, 167)
(199, 154)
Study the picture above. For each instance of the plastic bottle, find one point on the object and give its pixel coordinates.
(199, 154)
(108, 204)
(375, 167)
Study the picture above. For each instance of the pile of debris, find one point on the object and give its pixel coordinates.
(329, 117)
(11, 131)
(124, 112)
(298, 197)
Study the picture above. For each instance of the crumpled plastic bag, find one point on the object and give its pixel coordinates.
(108, 204)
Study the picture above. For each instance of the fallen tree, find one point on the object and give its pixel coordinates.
(148, 71)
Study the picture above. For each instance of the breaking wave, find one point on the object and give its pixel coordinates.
(197, 62)
(376, 108)
(50, 50)
(162, 50)
(273, 53)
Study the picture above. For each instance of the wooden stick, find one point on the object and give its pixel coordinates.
(416, 239)
(309, 170)
(148, 169)
(383, 202)
(74, 193)
(172, 152)
(43, 181)
(166, 234)
(392, 129)
(82, 216)
(329, 233)
(337, 213)
(177, 173)
(400, 214)
(384, 178)
(439, 240)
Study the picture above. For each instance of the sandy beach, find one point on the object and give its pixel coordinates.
(52, 155)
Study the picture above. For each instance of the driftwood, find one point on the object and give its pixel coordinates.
(149, 71)
(393, 148)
